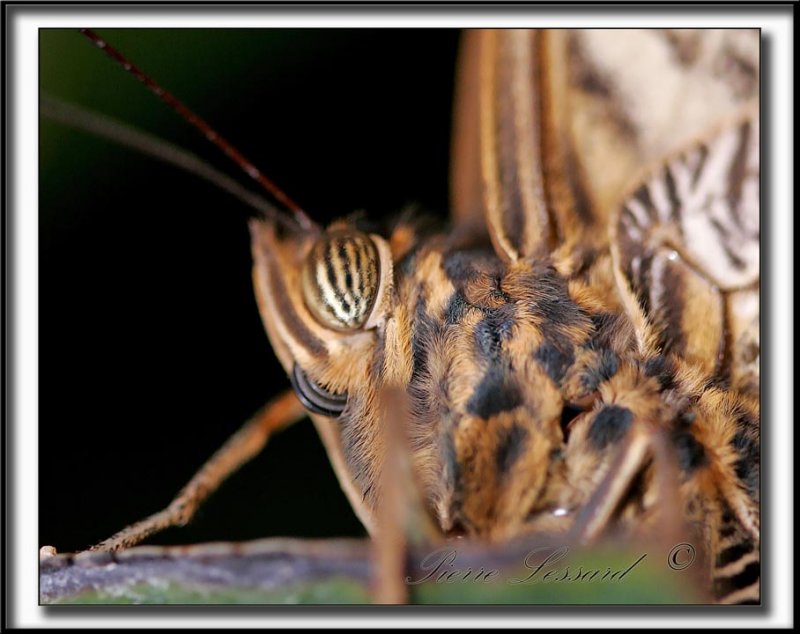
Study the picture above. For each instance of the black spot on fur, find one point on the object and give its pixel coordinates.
(487, 340)
(685, 419)
(467, 266)
(553, 305)
(604, 326)
(603, 369)
(425, 328)
(456, 309)
(496, 393)
(691, 454)
(747, 420)
(609, 364)
(610, 425)
(746, 447)
(493, 329)
(555, 360)
(748, 464)
(601, 321)
(555, 335)
(510, 447)
(717, 382)
(408, 264)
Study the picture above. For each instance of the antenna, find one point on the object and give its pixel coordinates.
(128, 136)
(206, 130)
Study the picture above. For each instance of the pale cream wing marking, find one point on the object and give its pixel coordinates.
(686, 242)
(634, 97)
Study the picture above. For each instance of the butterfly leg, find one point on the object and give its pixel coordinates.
(241, 447)
(730, 550)
(403, 520)
(642, 445)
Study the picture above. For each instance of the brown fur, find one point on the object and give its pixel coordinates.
(498, 350)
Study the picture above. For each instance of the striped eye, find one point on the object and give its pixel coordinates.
(341, 277)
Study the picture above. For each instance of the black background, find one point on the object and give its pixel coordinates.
(151, 348)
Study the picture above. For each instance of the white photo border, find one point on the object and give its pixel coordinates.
(22, 22)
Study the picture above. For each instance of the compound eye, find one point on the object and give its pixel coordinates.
(341, 276)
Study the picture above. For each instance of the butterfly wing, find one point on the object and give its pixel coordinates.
(620, 100)
(551, 126)
(497, 176)
(687, 244)
(644, 143)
